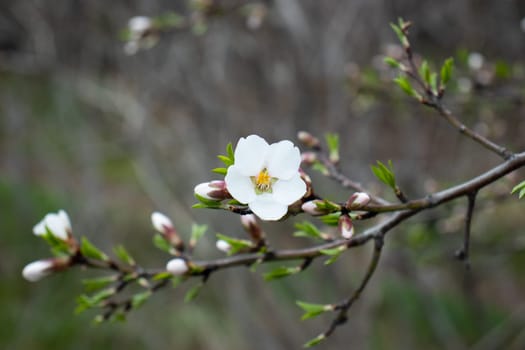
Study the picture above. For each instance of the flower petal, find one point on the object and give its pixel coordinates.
(240, 186)
(283, 160)
(55, 224)
(40, 228)
(250, 155)
(289, 191)
(267, 208)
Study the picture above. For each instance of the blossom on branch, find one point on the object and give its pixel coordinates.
(161, 222)
(39, 269)
(266, 177)
(58, 224)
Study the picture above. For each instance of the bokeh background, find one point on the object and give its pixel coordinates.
(110, 137)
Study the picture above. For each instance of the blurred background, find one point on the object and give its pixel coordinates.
(111, 132)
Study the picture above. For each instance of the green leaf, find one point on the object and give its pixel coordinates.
(169, 20)
(229, 151)
(193, 292)
(209, 203)
(405, 85)
(424, 71)
(162, 276)
(519, 187)
(320, 167)
(392, 62)
(226, 160)
(123, 255)
(161, 243)
(197, 231)
(236, 244)
(331, 219)
(334, 254)
(118, 316)
(385, 174)
(313, 310)
(281, 272)
(91, 251)
(332, 141)
(59, 248)
(446, 71)
(433, 82)
(140, 298)
(315, 341)
(400, 35)
(220, 171)
(93, 284)
(307, 229)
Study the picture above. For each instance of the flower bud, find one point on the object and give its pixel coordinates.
(138, 26)
(308, 158)
(161, 222)
(177, 266)
(250, 224)
(39, 269)
(345, 226)
(58, 224)
(223, 246)
(308, 139)
(214, 190)
(311, 208)
(358, 200)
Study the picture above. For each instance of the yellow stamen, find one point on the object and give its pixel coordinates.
(263, 181)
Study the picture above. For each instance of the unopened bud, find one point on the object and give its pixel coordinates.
(58, 224)
(308, 139)
(39, 269)
(311, 208)
(345, 226)
(250, 224)
(223, 246)
(138, 26)
(358, 200)
(308, 158)
(213, 190)
(177, 266)
(161, 222)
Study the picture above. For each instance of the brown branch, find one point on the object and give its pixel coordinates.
(463, 253)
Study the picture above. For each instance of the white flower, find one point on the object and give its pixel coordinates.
(223, 246)
(138, 25)
(58, 224)
(37, 270)
(177, 266)
(161, 222)
(266, 177)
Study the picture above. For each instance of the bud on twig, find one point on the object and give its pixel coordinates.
(213, 190)
(223, 246)
(250, 224)
(357, 200)
(345, 226)
(177, 267)
(39, 269)
(164, 226)
(58, 224)
(308, 139)
(308, 158)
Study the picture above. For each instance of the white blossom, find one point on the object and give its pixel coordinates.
(177, 266)
(266, 177)
(58, 224)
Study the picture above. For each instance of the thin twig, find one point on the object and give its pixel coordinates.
(463, 253)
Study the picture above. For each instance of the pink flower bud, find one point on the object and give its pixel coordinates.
(358, 200)
(308, 158)
(214, 190)
(223, 246)
(310, 207)
(177, 267)
(250, 224)
(345, 226)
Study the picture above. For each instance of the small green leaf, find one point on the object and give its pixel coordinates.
(162, 276)
(236, 244)
(332, 141)
(207, 202)
(313, 310)
(123, 255)
(392, 62)
(161, 243)
(315, 341)
(281, 272)
(433, 83)
(197, 231)
(93, 284)
(90, 251)
(226, 160)
(424, 71)
(446, 71)
(521, 188)
(220, 171)
(118, 316)
(331, 219)
(400, 35)
(59, 248)
(334, 254)
(307, 229)
(320, 167)
(405, 85)
(169, 20)
(139, 299)
(229, 151)
(385, 174)
(193, 292)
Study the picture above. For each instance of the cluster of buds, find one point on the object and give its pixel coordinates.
(55, 227)
(143, 35)
(214, 190)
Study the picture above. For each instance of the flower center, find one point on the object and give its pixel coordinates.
(263, 182)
